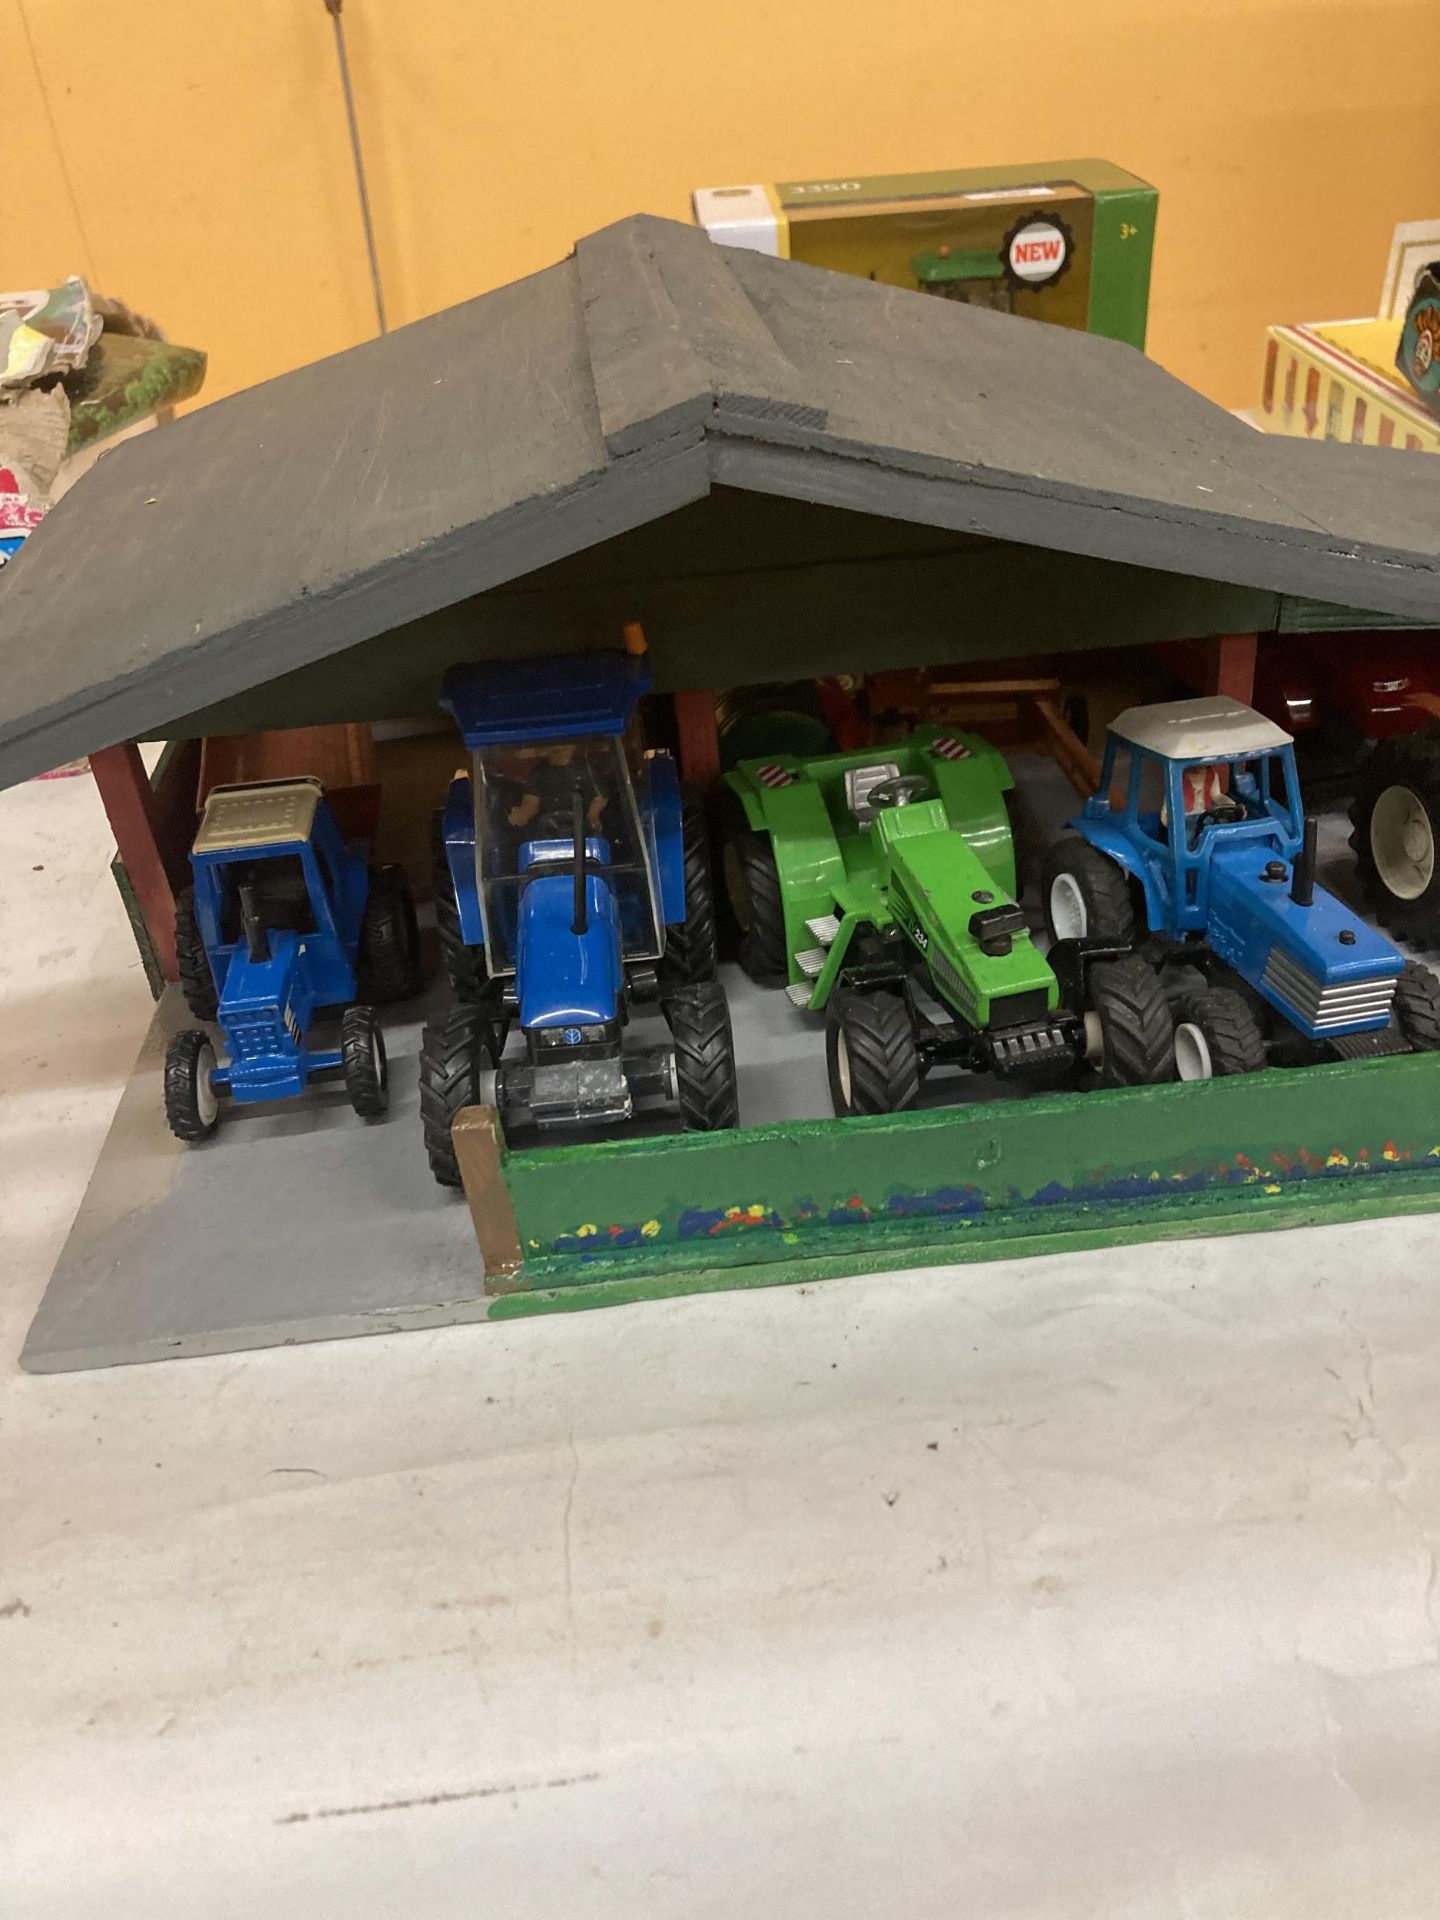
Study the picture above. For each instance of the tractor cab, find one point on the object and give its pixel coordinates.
(560, 840)
(1185, 780)
(272, 875)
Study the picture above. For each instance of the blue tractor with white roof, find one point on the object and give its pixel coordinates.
(572, 886)
(286, 923)
(1195, 847)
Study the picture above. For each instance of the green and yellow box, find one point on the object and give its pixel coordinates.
(1067, 241)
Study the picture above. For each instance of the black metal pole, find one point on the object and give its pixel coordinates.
(1302, 889)
(332, 7)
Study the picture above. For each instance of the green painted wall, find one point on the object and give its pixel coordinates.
(981, 1180)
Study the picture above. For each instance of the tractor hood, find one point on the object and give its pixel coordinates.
(1314, 962)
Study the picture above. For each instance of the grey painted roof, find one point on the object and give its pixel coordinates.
(299, 518)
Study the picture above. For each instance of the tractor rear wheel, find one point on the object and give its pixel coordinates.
(699, 1022)
(1216, 1033)
(870, 1052)
(192, 1105)
(389, 959)
(1136, 1029)
(362, 1055)
(1396, 821)
(752, 887)
(197, 983)
(456, 1049)
(1087, 897)
(690, 944)
(1417, 1007)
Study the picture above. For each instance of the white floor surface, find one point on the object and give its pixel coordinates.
(1095, 1586)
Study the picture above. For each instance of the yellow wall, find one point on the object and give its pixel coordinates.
(191, 155)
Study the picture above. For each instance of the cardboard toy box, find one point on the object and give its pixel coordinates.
(1336, 380)
(1067, 241)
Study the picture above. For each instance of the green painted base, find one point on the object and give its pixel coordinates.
(775, 1205)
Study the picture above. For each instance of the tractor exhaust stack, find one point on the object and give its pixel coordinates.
(1302, 888)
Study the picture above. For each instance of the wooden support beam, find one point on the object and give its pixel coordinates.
(1232, 666)
(1066, 748)
(697, 736)
(480, 1150)
(129, 804)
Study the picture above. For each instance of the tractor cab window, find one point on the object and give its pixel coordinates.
(1226, 792)
(536, 806)
(280, 890)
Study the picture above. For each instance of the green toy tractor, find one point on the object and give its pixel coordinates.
(880, 887)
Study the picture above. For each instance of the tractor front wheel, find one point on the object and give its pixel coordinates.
(699, 1022)
(456, 1049)
(1135, 1029)
(1087, 897)
(1396, 821)
(362, 1055)
(870, 1052)
(389, 938)
(1216, 1033)
(192, 1105)
(1417, 1007)
(192, 963)
(690, 944)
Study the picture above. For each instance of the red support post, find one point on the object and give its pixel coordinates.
(697, 736)
(126, 795)
(1232, 667)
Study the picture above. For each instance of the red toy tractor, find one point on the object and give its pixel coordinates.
(1386, 688)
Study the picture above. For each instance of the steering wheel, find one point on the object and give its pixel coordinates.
(899, 790)
(1226, 807)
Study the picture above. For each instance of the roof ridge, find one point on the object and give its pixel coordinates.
(675, 342)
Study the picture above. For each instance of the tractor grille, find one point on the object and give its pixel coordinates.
(1320, 1007)
(253, 1036)
(954, 988)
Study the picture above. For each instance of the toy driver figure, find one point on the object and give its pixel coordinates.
(537, 791)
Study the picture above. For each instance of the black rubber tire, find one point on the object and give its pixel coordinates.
(690, 946)
(197, 983)
(1103, 887)
(752, 886)
(191, 1116)
(1136, 1024)
(1232, 1033)
(464, 964)
(389, 961)
(699, 1022)
(1417, 1007)
(362, 1055)
(870, 1041)
(454, 1048)
(1412, 762)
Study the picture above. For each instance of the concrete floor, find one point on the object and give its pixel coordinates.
(1101, 1585)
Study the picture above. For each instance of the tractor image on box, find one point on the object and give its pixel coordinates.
(284, 919)
(882, 890)
(1196, 842)
(574, 883)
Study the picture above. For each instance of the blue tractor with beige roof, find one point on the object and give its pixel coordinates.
(572, 888)
(1195, 849)
(286, 925)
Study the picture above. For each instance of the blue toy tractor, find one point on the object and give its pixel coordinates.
(1196, 839)
(285, 919)
(573, 882)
